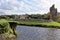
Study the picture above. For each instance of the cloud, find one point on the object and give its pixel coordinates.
(21, 4)
(27, 6)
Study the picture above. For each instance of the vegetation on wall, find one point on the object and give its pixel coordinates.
(5, 27)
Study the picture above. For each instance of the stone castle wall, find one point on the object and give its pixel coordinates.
(53, 12)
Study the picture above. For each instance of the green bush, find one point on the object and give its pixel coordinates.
(5, 27)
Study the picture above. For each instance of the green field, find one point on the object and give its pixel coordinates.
(36, 23)
(39, 23)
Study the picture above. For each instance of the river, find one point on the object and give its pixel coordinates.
(37, 33)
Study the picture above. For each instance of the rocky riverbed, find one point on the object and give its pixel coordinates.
(7, 37)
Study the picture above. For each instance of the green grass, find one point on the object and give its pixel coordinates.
(13, 21)
(48, 24)
(5, 27)
(38, 23)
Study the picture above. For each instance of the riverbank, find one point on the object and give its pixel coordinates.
(39, 23)
(5, 30)
(5, 27)
(7, 37)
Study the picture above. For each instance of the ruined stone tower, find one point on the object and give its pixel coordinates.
(53, 12)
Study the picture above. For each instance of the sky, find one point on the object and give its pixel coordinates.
(27, 6)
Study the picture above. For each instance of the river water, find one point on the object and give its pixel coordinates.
(37, 33)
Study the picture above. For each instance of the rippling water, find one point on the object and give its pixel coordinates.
(37, 33)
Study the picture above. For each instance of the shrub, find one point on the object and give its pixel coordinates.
(5, 27)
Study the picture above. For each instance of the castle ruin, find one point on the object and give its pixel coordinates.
(53, 12)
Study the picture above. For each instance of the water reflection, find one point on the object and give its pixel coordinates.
(37, 33)
(51, 34)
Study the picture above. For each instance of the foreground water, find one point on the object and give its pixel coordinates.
(37, 33)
